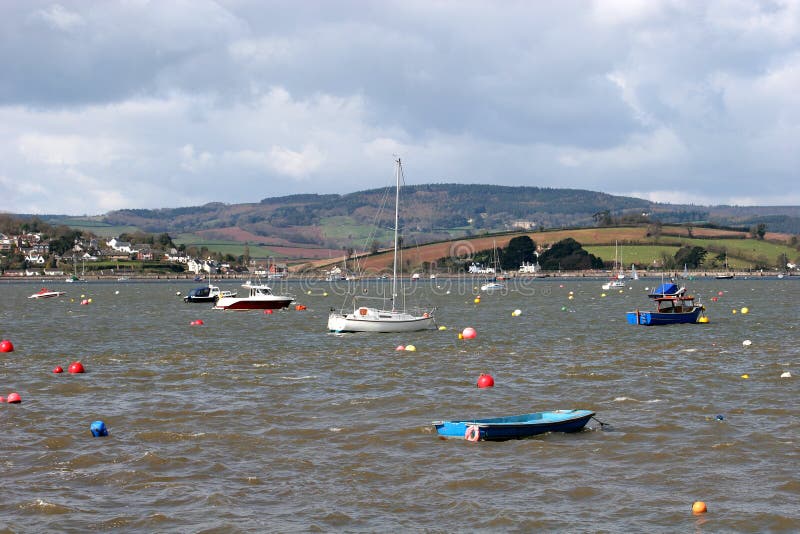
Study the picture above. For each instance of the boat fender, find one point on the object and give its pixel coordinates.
(362, 311)
(473, 433)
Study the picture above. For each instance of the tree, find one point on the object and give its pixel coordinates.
(654, 229)
(603, 218)
(690, 256)
(758, 231)
(568, 254)
(521, 249)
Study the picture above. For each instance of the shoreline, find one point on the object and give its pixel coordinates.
(589, 275)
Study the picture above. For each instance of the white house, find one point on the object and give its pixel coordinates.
(37, 259)
(120, 246)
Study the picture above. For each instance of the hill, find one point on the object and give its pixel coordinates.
(323, 226)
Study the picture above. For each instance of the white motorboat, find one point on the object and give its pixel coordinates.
(260, 297)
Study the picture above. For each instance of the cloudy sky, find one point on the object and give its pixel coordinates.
(146, 104)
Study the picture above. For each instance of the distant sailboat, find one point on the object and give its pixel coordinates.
(618, 280)
(634, 274)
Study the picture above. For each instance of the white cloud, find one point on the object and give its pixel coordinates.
(67, 150)
(60, 18)
(153, 104)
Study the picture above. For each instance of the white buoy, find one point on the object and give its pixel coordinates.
(747, 343)
(786, 374)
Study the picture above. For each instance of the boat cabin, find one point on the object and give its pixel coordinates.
(683, 304)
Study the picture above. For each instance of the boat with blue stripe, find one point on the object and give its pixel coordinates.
(514, 426)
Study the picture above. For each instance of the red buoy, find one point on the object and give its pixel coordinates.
(197, 322)
(6, 346)
(485, 381)
(75, 367)
(469, 333)
(58, 369)
(268, 312)
(14, 398)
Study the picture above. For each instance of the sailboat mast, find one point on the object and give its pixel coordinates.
(396, 225)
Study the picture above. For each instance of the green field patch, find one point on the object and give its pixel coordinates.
(347, 228)
(234, 248)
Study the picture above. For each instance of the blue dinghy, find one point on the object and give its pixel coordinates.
(514, 426)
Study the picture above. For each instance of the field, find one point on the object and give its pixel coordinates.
(634, 245)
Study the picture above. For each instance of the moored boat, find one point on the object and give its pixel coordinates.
(209, 293)
(260, 297)
(514, 426)
(383, 314)
(45, 293)
(671, 309)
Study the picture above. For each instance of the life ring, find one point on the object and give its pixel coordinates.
(425, 315)
(473, 433)
(362, 311)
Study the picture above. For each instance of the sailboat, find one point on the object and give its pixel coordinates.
(74, 277)
(386, 316)
(617, 281)
(493, 284)
(727, 275)
(634, 274)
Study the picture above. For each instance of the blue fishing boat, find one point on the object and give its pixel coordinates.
(514, 426)
(671, 309)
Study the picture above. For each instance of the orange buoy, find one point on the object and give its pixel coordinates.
(485, 381)
(58, 369)
(14, 398)
(75, 368)
(699, 507)
(6, 346)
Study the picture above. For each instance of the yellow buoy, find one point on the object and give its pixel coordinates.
(702, 320)
(745, 376)
(477, 301)
(603, 295)
(745, 310)
(699, 507)
(442, 327)
(570, 297)
(411, 348)
(733, 312)
(460, 335)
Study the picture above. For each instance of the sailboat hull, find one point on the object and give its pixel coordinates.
(382, 322)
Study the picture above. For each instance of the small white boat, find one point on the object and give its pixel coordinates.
(614, 284)
(493, 286)
(45, 293)
(260, 297)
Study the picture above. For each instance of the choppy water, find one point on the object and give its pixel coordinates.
(258, 422)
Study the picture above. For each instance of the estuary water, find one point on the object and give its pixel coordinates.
(268, 423)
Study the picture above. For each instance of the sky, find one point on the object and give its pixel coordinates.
(108, 105)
